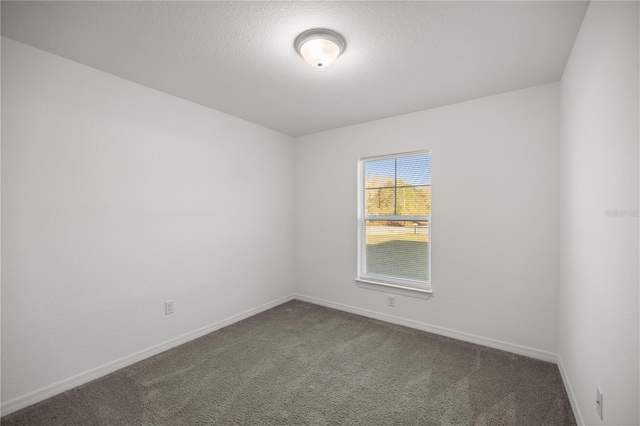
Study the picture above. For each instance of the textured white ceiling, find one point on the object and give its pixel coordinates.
(238, 57)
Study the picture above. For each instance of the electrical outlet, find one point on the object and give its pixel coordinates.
(599, 400)
(168, 307)
(392, 301)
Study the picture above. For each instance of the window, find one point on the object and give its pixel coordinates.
(394, 215)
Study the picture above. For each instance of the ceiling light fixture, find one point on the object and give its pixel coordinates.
(320, 47)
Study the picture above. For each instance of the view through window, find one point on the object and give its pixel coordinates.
(395, 218)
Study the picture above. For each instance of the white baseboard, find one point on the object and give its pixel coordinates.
(570, 394)
(467, 337)
(87, 376)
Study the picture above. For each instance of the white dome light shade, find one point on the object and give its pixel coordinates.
(319, 53)
(320, 47)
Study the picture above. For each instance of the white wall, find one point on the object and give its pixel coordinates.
(598, 328)
(117, 197)
(495, 220)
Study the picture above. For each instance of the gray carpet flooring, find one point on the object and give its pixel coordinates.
(300, 363)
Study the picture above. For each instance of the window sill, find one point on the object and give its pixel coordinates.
(394, 288)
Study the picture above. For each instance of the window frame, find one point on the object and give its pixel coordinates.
(397, 285)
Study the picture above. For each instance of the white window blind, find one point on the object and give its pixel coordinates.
(395, 218)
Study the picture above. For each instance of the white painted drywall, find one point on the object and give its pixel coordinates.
(238, 56)
(598, 324)
(117, 197)
(495, 215)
